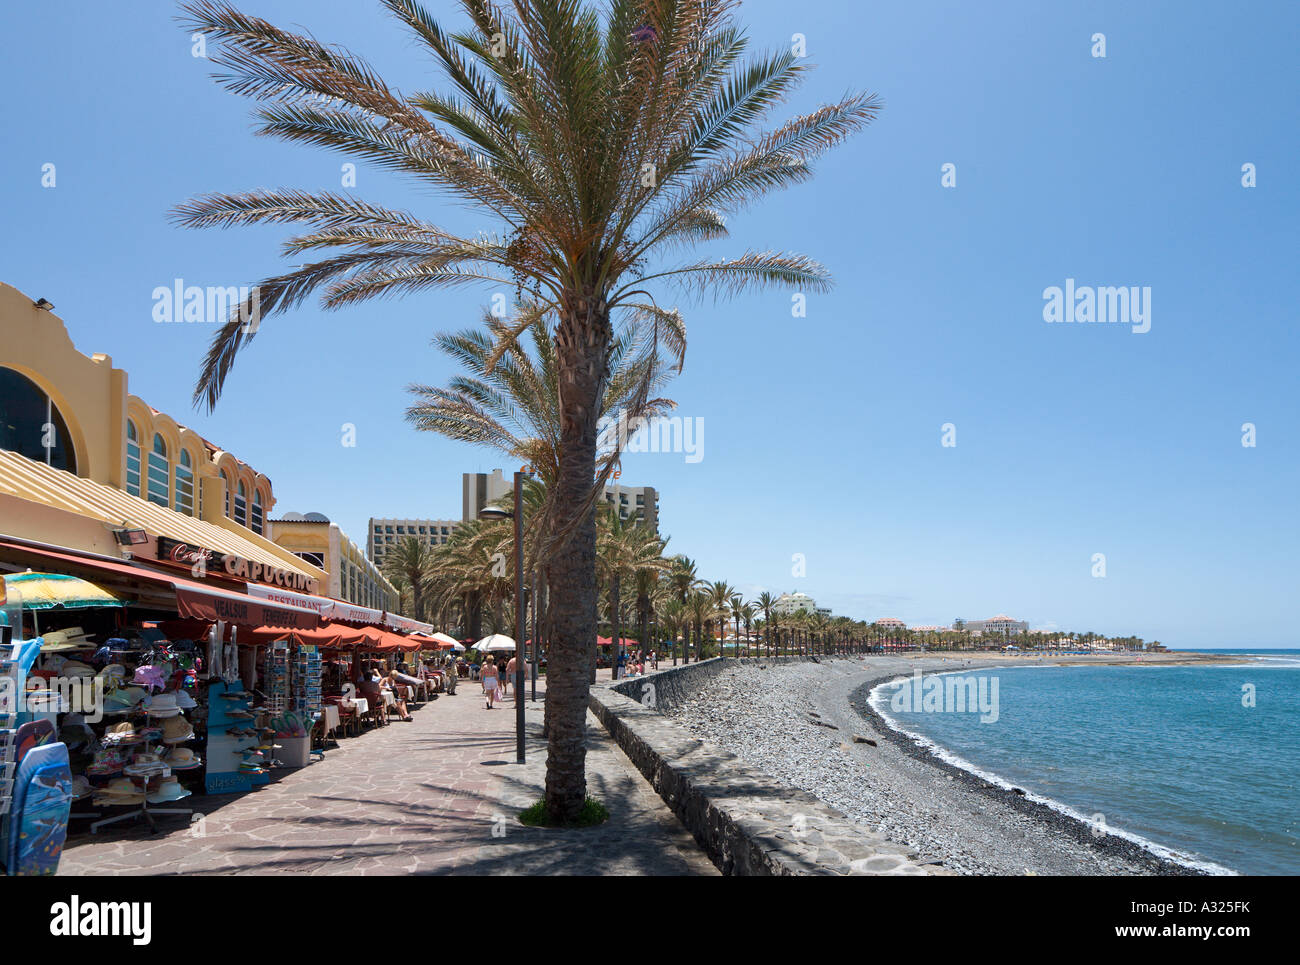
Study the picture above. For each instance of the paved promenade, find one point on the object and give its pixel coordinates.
(439, 795)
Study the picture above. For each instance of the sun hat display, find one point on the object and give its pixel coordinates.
(163, 705)
(182, 759)
(176, 730)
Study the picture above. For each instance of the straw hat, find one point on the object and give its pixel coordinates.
(81, 787)
(168, 789)
(182, 759)
(73, 638)
(75, 668)
(120, 790)
(176, 730)
(184, 701)
(163, 705)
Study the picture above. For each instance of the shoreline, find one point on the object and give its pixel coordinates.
(810, 725)
(1111, 844)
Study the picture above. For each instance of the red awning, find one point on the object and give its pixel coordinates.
(202, 603)
(328, 636)
(194, 599)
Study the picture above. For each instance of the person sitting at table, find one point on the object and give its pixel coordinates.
(368, 687)
(390, 684)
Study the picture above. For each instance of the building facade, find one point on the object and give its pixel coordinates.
(788, 604)
(999, 625)
(351, 576)
(631, 500)
(83, 463)
(386, 534)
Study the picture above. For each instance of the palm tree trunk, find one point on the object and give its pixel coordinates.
(582, 340)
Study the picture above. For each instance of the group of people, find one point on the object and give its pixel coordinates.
(373, 680)
(635, 664)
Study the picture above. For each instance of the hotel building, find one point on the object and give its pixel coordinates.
(998, 625)
(386, 534)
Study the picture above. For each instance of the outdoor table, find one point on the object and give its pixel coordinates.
(330, 720)
(359, 705)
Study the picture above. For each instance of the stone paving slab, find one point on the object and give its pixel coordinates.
(439, 795)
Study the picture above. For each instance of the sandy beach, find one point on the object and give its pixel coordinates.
(809, 725)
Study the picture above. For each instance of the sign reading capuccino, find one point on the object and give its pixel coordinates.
(186, 554)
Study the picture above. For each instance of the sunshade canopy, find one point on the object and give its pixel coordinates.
(50, 591)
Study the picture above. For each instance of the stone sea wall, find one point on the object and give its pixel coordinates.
(747, 822)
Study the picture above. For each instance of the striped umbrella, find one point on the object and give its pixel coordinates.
(50, 591)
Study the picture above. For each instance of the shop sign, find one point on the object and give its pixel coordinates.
(202, 560)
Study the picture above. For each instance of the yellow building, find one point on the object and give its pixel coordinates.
(350, 575)
(83, 462)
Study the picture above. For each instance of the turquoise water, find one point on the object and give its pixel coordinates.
(1166, 754)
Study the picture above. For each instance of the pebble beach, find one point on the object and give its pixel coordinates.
(808, 724)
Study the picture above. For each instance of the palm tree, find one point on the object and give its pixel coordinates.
(720, 594)
(701, 610)
(765, 602)
(623, 547)
(410, 562)
(597, 140)
(684, 580)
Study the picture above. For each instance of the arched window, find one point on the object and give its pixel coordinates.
(185, 484)
(230, 494)
(257, 511)
(132, 459)
(241, 506)
(31, 425)
(159, 485)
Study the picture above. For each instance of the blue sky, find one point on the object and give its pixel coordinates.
(822, 434)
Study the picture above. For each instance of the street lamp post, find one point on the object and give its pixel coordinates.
(492, 512)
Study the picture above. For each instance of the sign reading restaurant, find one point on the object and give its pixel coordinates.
(185, 554)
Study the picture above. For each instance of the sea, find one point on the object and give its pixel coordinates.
(1199, 764)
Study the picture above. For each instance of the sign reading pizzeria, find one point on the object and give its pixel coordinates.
(202, 559)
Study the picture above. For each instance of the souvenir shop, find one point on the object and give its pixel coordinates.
(132, 689)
